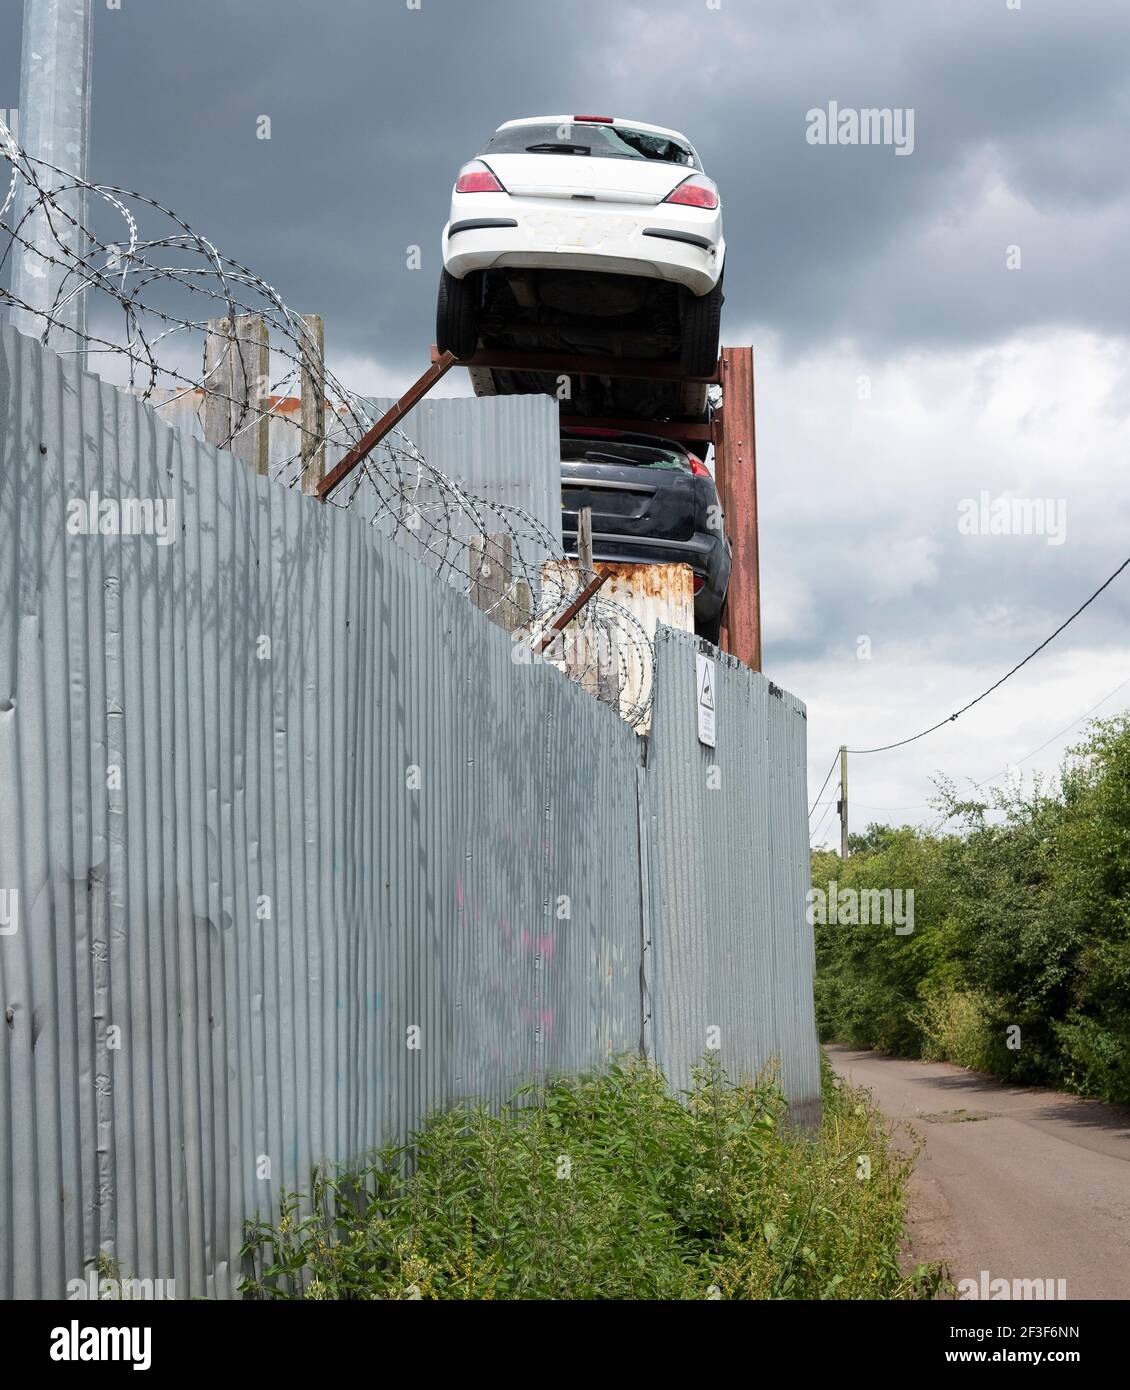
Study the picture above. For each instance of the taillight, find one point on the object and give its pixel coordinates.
(698, 468)
(476, 177)
(602, 120)
(696, 192)
(698, 582)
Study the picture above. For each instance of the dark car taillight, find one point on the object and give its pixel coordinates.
(698, 468)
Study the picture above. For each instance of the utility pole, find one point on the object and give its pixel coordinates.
(842, 805)
(54, 116)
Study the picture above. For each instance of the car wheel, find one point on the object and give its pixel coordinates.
(702, 326)
(456, 311)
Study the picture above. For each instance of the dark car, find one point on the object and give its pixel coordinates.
(653, 502)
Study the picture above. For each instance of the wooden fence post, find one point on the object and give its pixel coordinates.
(237, 364)
(313, 374)
(584, 543)
(490, 558)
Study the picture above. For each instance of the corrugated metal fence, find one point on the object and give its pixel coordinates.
(502, 449)
(729, 873)
(292, 852)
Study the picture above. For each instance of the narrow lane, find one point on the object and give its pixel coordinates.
(1023, 1184)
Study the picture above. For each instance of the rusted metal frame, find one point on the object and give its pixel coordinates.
(570, 611)
(681, 430)
(575, 365)
(392, 417)
(735, 470)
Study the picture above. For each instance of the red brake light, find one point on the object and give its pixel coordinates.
(476, 177)
(697, 192)
(698, 468)
(603, 120)
(698, 582)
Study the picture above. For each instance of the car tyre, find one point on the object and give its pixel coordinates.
(456, 311)
(702, 327)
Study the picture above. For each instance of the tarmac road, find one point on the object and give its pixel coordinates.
(1026, 1184)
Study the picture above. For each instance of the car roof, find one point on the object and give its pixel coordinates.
(615, 121)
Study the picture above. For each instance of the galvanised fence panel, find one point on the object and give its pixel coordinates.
(297, 852)
(732, 949)
(293, 851)
(502, 449)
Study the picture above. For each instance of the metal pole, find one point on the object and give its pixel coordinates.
(843, 803)
(54, 127)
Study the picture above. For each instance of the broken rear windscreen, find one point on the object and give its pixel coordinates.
(587, 138)
(588, 451)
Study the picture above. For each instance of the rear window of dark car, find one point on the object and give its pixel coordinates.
(644, 456)
(588, 138)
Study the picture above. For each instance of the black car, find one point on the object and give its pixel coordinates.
(652, 502)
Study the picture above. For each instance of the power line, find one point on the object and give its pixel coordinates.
(886, 747)
(824, 819)
(823, 784)
(1066, 729)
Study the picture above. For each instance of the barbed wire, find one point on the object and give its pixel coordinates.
(161, 293)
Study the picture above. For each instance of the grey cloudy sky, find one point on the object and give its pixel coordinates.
(901, 366)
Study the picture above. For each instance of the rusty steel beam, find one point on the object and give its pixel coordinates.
(687, 432)
(735, 470)
(570, 611)
(392, 417)
(575, 365)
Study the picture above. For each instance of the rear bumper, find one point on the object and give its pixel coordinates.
(682, 245)
(706, 554)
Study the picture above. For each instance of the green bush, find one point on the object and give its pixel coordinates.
(608, 1187)
(1020, 958)
(957, 1026)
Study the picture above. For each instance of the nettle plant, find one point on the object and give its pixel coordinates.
(607, 1186)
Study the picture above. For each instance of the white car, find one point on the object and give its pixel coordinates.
(583, 234)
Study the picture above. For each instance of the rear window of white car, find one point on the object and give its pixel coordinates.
(590, 138)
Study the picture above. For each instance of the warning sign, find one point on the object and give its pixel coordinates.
(704, 685)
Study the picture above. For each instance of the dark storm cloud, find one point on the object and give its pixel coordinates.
(1022, 125)
(374, 105)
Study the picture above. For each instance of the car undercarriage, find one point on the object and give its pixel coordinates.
(590, 314)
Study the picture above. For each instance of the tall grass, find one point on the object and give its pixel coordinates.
(608, 1187)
